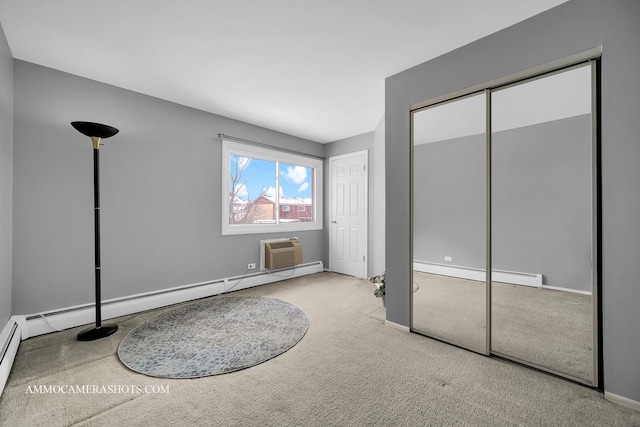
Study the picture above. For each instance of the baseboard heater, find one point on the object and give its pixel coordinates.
(9, 342)
(512, 277)
(51, 321)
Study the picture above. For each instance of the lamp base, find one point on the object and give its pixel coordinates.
(97, 333)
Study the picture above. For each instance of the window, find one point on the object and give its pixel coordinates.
(267, 190)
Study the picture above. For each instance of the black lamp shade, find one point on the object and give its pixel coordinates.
(95, 129)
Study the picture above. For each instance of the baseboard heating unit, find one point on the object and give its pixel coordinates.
(512, 277)
(70, 317)
(9, 342)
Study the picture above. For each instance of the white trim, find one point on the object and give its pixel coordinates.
(397, 326)
(622, 401)
(9, 342)
(574, 291)
(355, 153)
(55, 320)
(230, 147)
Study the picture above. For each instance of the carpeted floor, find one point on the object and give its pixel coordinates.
(545, 327)
(350, 369)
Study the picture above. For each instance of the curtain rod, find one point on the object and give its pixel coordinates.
(272, 147)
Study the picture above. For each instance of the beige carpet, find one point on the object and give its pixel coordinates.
(548, 328)
(450, 308)
(349, 370)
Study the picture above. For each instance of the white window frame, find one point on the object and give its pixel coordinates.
(230, 148)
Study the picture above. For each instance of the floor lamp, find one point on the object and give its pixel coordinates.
(96, 132)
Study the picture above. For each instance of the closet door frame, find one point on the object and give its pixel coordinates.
(593, 57)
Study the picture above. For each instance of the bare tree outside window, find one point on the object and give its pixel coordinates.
(243, 209)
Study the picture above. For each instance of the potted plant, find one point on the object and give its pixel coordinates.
(380, 287)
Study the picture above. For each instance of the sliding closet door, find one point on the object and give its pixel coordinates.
(449, 222)
(542, 223)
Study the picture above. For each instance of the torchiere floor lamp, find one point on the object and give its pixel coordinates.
(96, 132)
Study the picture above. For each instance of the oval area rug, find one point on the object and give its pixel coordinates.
(213, 336)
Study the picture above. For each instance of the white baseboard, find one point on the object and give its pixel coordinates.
(70, 317)
(397, 326)
(575, 291)
(9, 342)
(622, 401)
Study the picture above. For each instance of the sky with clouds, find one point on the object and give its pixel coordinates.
(258, 175)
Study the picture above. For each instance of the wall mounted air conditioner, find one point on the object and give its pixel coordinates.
(282, 253)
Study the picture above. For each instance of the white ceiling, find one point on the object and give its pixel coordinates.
(557, 96)
(314, 69)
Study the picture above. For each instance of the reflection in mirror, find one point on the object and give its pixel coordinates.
(541, 291)
(449, 222)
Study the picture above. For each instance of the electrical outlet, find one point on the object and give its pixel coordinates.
(251, 266)
(448, 258)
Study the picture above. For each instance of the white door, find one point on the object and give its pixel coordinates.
(348, 220)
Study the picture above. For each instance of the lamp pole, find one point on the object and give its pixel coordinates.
(96, 132)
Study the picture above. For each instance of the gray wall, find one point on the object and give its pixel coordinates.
(450, 202)
(542, 205)
(572, 27)
(541, 185)
(6, 161)
(160, 191)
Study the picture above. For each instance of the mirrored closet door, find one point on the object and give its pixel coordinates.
(449, 218)
(542, 223)
(505, 180)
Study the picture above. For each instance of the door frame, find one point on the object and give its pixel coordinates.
(365, 209)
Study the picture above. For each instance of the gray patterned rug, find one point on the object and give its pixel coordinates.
(213, 336)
